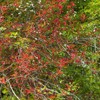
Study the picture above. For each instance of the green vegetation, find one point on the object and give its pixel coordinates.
(50, 50)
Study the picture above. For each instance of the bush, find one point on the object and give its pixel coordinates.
(46, 54)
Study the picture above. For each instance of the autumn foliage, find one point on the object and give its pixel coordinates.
(45, 52)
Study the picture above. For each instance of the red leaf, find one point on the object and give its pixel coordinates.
(63, 62)
(28, 91)
(59, 72)
(72, 3)
(73, 55)
(3, 80)
(68, 7)
(78, 60)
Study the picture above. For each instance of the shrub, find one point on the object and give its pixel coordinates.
(45, 52)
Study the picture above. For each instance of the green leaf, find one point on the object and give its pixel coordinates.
(4, 91)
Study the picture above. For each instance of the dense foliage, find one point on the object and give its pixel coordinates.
(49, 50)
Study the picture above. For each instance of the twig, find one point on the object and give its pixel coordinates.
(13, 91)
